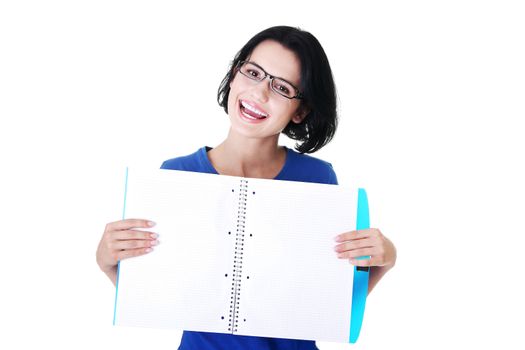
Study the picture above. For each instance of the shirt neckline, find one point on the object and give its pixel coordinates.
(204, 152)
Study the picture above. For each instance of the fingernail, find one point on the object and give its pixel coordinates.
(148, 250)
(154, 235)
(336, 238)
(151, 223)
(154, 242)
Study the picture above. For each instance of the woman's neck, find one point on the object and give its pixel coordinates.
(248, 157)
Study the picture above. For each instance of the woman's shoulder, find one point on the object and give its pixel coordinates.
(196, 161)
(305, 167)
(308, 160)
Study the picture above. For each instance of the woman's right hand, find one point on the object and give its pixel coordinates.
(122, 240)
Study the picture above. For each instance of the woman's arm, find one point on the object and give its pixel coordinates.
(122, 240)
(370, 242)
(376, 273)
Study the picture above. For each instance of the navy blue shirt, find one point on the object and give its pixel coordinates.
(297, 167)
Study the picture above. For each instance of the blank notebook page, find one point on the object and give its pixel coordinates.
(182, 283)
(293, 284)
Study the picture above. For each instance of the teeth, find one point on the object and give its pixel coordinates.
(247, 106)
(249, 116)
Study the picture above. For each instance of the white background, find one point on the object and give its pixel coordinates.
(431, 106)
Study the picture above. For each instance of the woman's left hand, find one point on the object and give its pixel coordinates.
(368, 242)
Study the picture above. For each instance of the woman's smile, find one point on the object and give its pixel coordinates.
(250, 112)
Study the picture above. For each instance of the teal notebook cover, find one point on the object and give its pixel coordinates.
(360, 290)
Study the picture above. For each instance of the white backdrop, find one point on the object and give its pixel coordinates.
(431, 106)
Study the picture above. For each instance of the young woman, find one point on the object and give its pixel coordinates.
(279, 82)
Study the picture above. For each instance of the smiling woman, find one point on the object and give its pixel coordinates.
(280, 82)
(262, 109)
(293, 57)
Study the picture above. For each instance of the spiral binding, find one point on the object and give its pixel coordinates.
(237, 259)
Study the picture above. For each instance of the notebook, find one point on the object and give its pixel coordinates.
(242, 256)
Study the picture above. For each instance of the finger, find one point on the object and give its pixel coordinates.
(125, 254)
(133, 234)
(126, 224)
(362, 262)
(133, 244)
(355, 244)
(358, 234)
(356, 253)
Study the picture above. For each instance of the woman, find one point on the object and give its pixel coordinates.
(279, 82)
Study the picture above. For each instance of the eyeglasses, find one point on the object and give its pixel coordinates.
(254, 72)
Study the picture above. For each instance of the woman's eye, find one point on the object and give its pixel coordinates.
(253, 73)
(283, 88)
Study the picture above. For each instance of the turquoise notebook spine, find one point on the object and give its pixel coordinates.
(360, 289)
(118, 264)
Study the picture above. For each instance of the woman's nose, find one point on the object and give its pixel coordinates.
(262, 90)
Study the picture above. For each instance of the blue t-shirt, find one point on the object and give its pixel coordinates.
(297, 167)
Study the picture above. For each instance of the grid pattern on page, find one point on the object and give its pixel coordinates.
(184, 283)
(293, 284)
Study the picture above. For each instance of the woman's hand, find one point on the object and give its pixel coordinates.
(122, 240)
(368, 242)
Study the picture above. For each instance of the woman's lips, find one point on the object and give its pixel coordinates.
(251, 113)
(253, 108)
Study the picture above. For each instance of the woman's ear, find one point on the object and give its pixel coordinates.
(302, 112)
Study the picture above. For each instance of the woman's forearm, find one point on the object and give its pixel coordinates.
(376, 273)
(112, 275)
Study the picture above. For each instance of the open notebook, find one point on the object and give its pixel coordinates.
(242, 256)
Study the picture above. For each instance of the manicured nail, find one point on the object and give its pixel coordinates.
(154, 235)
(151, 223)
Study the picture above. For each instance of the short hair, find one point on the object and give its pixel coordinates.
(317, 86)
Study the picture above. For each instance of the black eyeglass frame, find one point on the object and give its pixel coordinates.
(298, 95)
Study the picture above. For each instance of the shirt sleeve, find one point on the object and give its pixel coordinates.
(332, 177)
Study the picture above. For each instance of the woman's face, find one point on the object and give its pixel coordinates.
(257, 111)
